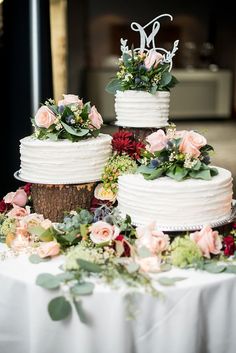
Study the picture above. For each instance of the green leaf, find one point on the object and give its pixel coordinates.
(36, 259)
(143, 169)
(214, 267)
(201, 174)
(177, 173)
(165, 79)
(85, 288)
(231, 269)
(214, 172)
(73, 131)
(65, 276)
(165, 267)
(197, 165)
(113, 86)
(89, 266)
(84, 318)
(119, 248)
(132, 267)
(48, 281)
(59, 308)
(126, 59)
(156, 173)
(144, 252)
(83, 230)
(173, 82)
(166, 281)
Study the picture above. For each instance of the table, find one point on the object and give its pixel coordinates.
(197, 315)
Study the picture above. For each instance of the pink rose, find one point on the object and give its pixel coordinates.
(70, 99)
(155, 241)
(44, 117)
(18, 198)
(95, 118)
(18, 212)
(103, 232)
(153, 59)
(149, 264)
(208, 241)
(191, 143)
(157, 141)
(51, 248)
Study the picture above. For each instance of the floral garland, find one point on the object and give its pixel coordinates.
(69, 118)
(100, 245)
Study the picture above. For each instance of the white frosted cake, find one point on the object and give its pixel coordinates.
(142, 109)
(63, 161)
(171, 203)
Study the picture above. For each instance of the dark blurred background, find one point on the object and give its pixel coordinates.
(78, 51)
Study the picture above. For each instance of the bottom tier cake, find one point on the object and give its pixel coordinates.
(176, 204)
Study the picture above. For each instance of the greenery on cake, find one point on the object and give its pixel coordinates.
(142, 71)
(176, 154)
(68, 118)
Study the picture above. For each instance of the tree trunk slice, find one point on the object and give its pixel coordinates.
(54, 200)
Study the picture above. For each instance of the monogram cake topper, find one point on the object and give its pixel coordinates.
(147, 42)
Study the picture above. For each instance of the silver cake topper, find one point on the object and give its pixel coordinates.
(147, 42)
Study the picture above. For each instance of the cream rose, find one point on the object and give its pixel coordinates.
(44, 117)
(149, 264)
(157, 141)
(70, 99)
(95, 118)
(18, 198)
(191, 143)
(155, 241)
(51, 248)
(208, 241)
(102, 194)
(101, 232)
(18, 212)
(153, 59)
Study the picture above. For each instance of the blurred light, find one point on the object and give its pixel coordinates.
(1, 1)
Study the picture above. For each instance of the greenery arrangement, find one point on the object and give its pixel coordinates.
(69, 119)
(142, 71)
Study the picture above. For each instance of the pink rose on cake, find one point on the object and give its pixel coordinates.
(208, 241)
(101, 232)
(157, 141)
(153, 59)
(155, 241)
(191, 143)
(18, 212)
(51, 248)
(95, 118)
(44, 117)
(18, 198)
(70, 99)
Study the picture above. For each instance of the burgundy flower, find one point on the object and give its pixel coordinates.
(3, 206)
(125, 142)
(123, 135)
(229, 245)
(138, 147)
(122, 145)
(126, 245)
(27, 188)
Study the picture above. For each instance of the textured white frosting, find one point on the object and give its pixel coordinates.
(142, 109)
(63, 161)
(175, 204)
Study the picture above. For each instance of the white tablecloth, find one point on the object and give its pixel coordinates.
(197, 315)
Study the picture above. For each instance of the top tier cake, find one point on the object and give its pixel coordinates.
(66, 146)
(143, 81)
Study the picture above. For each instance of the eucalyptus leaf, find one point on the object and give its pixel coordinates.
(126, 59)
(200, 174)
(85, 288)
(132, 267)
(165, 267)
(89, 266)
(231, 269)
(83, 316)
(65, 276)
(177, 173)
(144, 252)
(113, 86)
(166, 281)
(156, 173)
(36, 259)
(59, 308)
(48, 281)
(73, 131)
(47, 235)
(165, 78)
(213, 267)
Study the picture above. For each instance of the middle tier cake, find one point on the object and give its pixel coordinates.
(176, 204)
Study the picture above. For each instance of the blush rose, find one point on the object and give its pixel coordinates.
(153, 59)
(155, 241)
(44, 117)
(18, 198)
(191, 143)
(70, 99)
(157, 141)
(51, 248)
(101, 232)
(207, 240)
(95, 118)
